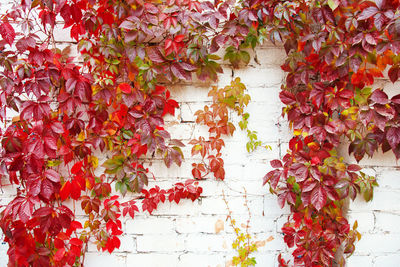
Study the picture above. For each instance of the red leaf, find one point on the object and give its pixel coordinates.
(75, 190)
(125, 88)
(179, 72)
(393, 137)
(59, 254)
(168, 44)
(155, 54)
(52, 175)
(58, 243)
(380, 97)
(50, 142)
(276, 163)
(179, 38)
(57, 127)
(299, 171)
(353, 168)
(318, 197)
(7, 32)
(47, 189)
(65, 190)
(346, 94)
(393, 73)
(196, 173)
(187, 66)
(368, 12)
(76, 242)
(287, 98)
(77, 167)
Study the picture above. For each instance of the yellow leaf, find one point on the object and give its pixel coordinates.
(341, 166)
(81, 136)
(88, 184)
(94, 161)
(297, 132)
(95, 89)
(111, 131)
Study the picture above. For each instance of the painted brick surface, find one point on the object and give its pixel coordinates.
(190, 234)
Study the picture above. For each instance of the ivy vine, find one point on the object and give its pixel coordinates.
(115, 101)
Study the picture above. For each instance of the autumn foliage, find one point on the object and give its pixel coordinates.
(113, 99)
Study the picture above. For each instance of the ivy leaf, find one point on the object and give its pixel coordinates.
(65, 190)
(7, 32)
(299, 171)
(276, 163)
(380, 97)
(394, 73)
(393, 137)
(318, 197)
(287, 98)
(47, 189)
(154, 54)
(333, 4)
(179, 72)
(368, 12)
(125, 88)
(52, 175)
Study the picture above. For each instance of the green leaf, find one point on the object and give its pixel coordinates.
(245, 56)
(53, 163)
(333, 4)
(213, 57)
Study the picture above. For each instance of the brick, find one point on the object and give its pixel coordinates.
(387, 260)
(383, 200)
(380, 159)
(201, 260)
(128, 244)
(378, 243)
(199, 224)
(187, 93)
(160, 243)
(185, 207)
(390, 88)
(258, 224)
(105, 259)
(182, 131)
(389, 178)
(271, 207)
(387, 222)
(217, 205)
(274, 241)
(208, 243)
(365, 220)
(187, 109)
(61, 34)
(152, 260)
(3, 249)
(265, 259)
(270, 56)
(356, 261)
(254, 77)
(150, 225)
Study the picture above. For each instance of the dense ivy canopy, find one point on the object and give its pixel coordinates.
(115, 100)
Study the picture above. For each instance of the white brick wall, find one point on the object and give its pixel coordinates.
(184, 235)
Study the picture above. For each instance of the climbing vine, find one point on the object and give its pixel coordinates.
(113, 99)
(336, 49)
